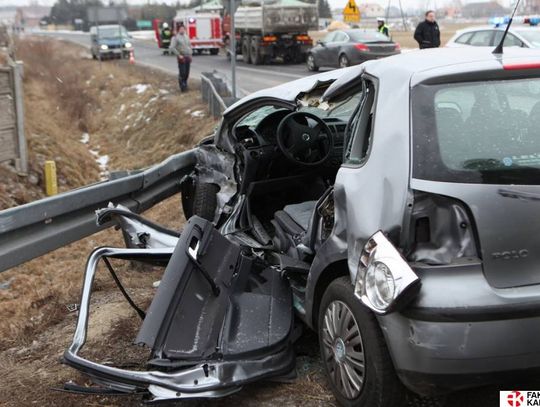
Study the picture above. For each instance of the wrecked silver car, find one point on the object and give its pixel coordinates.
(392, 207)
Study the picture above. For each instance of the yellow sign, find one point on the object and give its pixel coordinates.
(351, 13)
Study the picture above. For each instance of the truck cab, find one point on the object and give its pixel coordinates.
(110, 41)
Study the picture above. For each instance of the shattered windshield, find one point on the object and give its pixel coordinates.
(342, 109)
(482, 132)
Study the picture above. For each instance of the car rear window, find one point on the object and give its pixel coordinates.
(479, 132)
(368, 36)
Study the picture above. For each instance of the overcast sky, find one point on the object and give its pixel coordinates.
(333, 3)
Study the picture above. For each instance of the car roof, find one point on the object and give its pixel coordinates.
(360, 30)
(450, 59)
(109, 26)
(406, 69)
(513, 27)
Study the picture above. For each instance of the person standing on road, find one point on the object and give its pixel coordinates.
(427, 33)
(166, 35)
(382, 27)
(181, 47)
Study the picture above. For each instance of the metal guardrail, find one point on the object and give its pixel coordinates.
(212, 90)
(216, 92)
(33, 229)
(12, 139)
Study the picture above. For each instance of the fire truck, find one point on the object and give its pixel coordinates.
(204, 30)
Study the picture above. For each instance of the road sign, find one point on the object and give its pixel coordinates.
(351, 13)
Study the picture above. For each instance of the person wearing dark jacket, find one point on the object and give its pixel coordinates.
(427, 33)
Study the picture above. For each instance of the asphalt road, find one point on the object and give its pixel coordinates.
(250, 78)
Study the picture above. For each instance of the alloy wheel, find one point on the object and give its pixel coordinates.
(343, 61)
(311, 62)
(343, 349)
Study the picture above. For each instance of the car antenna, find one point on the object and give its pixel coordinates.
(499, 48)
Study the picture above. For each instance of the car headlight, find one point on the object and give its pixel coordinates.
(384, 280)
(128, 45)
(104, 47)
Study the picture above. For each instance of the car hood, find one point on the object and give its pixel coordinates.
(290, 91)
(111, 41)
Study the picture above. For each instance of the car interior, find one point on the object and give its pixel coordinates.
(287, 164)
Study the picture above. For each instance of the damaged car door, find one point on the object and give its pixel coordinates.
(220, 317)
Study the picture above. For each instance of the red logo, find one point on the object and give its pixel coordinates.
(515, 399)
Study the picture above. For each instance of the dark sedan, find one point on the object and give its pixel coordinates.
(339, 49)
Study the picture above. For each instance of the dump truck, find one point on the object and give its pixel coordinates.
(274, 29)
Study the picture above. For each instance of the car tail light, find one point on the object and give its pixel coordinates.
(361, 47)
(269, 38)
(303, 38)
(518, 66)
(397, 47)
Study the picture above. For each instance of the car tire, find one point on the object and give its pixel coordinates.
(205, 200)
(310, 62)
(357, 351)
(255, 51)
(344, 61)
(246, 44)
(214, 51)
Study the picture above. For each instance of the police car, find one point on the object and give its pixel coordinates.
(526, 35)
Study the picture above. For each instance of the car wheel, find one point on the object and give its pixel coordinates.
(246, 42)
(255, 51)
(343, 61)
(205, 200)
(214, 51)
(354, 353)
(311, 65)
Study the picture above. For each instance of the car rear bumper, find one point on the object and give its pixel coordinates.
(440, 344)
(359, 57)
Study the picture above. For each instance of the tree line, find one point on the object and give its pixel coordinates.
(67, 11)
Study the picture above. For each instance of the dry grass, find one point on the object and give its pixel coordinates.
(405, 38)
(67, 94)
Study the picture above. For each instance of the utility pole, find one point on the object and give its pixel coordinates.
(232, 41)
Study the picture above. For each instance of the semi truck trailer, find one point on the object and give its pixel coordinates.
(274, 29)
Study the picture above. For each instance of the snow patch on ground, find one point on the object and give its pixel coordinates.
(143, 35)
(140, 88)
(101, 160)
(197, 113)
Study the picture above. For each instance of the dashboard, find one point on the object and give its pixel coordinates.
(257, 133)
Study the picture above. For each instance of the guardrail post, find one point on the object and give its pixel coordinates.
(51, 182)
(22, 161)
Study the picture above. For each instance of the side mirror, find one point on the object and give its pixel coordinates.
(321, 43)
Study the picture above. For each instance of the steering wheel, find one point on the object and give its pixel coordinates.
(305, 139)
